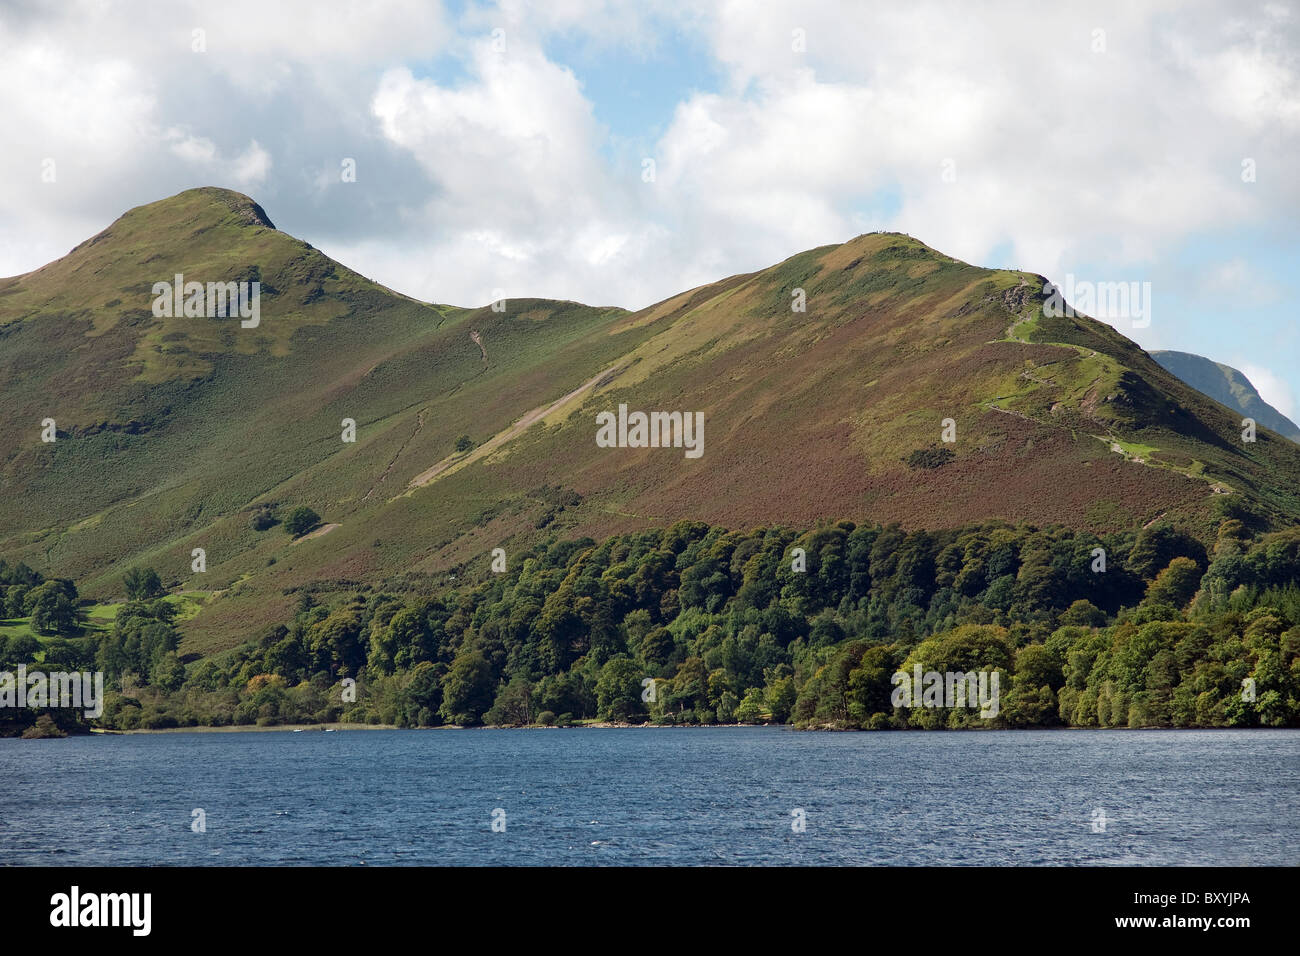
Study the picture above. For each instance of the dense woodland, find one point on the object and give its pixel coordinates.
(1168, 635)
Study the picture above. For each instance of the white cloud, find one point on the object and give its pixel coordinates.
(521, 197)
(1272, 388)
(247, 170)
(192, 149)
(1238, 281)
(1064, 154)
(506, 152)
(251, 167)
(130, 113)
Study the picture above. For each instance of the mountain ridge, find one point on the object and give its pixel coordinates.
(1228, 386)
(832, 413)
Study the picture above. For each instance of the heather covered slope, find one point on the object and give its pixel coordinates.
(831, 412)
(820, 415)
(174, 431)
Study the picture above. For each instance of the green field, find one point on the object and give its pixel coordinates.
(99, 618)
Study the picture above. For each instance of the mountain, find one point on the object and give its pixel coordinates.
(1226, 385)
(173, 432)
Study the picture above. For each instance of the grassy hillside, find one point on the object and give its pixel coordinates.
(175, 432)
(171, 431)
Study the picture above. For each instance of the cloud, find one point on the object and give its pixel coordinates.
(248, 169)
(1237, 281)
(1272, 388)
(1064, 153)
(520, 198)
(251, 167)
(131, 107)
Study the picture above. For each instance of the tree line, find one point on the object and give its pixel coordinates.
(696, 624)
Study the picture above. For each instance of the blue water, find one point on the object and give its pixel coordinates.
(654, 796)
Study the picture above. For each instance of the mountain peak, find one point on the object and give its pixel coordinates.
(243, 207)
(201, 207)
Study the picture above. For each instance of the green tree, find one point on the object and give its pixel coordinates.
(1083, 614)
(1176, 584)
(727, 704)
(142, 584)
(336, 645)
(1038, 665)
(424, 694)
(53, 611)
(169, 674)
(870, 685)
(752, 709)
(618, 691)
(19, 649)
(567, 693)
(657, 648)
(781, 696)
(467, 690)
(514, 706)
(301, 520)
(1159, 544)
(13, 601)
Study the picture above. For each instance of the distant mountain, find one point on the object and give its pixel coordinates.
(1226, 385)
(476, 428)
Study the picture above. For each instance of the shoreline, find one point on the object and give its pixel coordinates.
(237, 729)
(607, 725)
(305, 728)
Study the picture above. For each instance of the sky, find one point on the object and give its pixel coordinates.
(620, 153)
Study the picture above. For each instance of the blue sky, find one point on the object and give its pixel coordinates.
(503, 146)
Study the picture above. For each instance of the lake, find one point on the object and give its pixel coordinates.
(643, 796)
